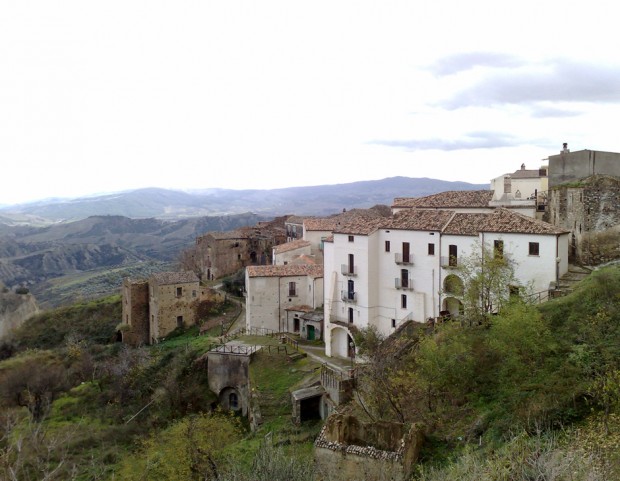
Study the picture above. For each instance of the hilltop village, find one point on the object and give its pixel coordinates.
(326, 279)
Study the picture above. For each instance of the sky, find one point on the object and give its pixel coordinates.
(104, 96)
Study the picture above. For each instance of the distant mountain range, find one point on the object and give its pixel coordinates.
(173, 205)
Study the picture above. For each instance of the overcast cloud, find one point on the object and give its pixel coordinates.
(122, 94)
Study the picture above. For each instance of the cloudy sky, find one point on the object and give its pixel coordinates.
(101, 96)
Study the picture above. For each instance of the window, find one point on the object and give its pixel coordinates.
(351, 238)
(393, 322)
(534, 249)
(350, 290)
(498, 249)
(292, 289)
(179, 321)
(351, 263)
(404, 278)
(387, 246)
(194, 293)
(403, 301)
(179, 291)
(405, 251)
(453, 255)
(350, 315)
(431, 249)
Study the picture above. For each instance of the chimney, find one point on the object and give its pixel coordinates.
(565, 148)
(522, 166)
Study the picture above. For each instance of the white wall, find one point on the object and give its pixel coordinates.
(268, 297)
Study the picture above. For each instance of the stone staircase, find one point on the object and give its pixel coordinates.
(574, 275)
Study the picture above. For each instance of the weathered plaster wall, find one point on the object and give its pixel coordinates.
(230, 371)
(573, 166)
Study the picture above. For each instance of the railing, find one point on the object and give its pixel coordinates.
(406, 284)
(449, 261)
(330, 378)
(240, 349)
(244, 350)
(348, 296)
(538, 297)
(348, 270)
(400, 258)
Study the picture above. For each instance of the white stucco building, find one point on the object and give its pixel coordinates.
(278, 296)
(524, 189)
(383, 272)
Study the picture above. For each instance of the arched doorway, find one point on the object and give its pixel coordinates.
(453, 305)
(230, 399)
(342, 343)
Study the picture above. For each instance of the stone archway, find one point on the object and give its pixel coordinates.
(230, 400)
(341, 342)
(453, 305)
(453, 285)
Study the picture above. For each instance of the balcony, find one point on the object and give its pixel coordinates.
(449, 261)
(348, 270)
(406, 259)
(348, 296)
(405, 284)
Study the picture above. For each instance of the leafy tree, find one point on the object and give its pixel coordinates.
(190, 449)
(488, 274)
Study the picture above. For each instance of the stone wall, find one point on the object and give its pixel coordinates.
(590, 210)
(349, 449)
(135, 312)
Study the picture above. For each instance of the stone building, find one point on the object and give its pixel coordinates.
(153, 308)
(173, 301)
(584, 198)
(224, 253)
(135, 307)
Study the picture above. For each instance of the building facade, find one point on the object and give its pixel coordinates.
(278, 296)
(385, 273)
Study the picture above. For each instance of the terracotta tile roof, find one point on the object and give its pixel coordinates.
(331, 223)
(164, 278)
(447, 200)
(360, 226)
(291, 246)
(320, 224)
(303, 259)
(420, 219)
(501, 221)
(288, 270)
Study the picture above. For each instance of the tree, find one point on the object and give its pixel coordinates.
(488, 281)
(34, 385)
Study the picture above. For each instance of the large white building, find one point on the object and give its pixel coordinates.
(383, 272)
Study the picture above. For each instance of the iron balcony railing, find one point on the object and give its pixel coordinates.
(406, 283)
(449, 261)
(348, 270)
(348, 296)
(401, 258)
